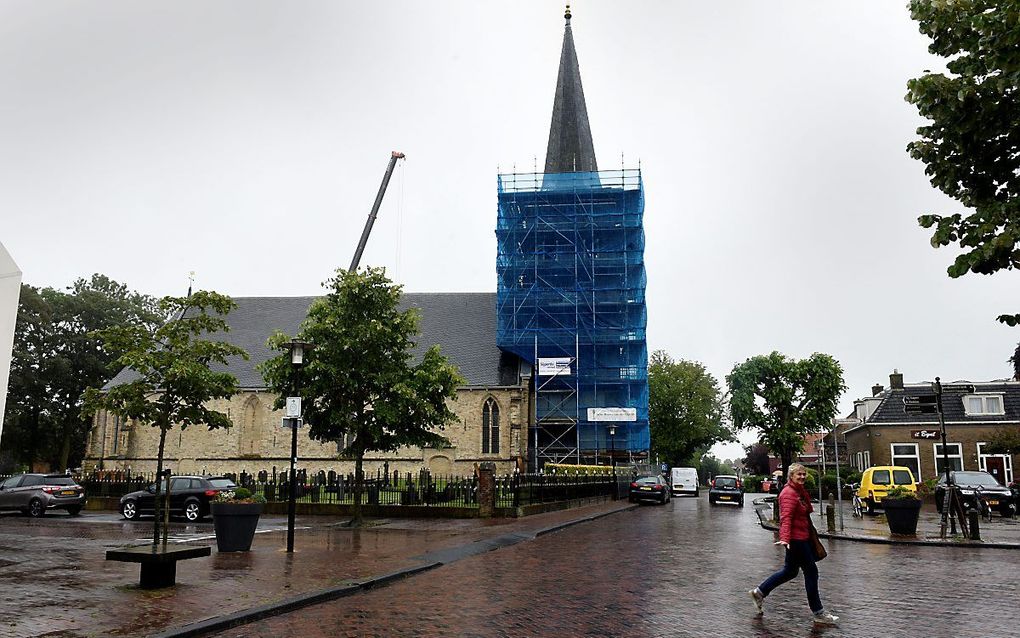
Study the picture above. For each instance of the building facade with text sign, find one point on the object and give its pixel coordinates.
(900, 426)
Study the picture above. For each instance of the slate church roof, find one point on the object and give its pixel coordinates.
(463, 324)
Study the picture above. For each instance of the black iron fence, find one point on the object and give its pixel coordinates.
(393, 488)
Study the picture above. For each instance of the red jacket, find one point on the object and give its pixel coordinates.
(793, 516)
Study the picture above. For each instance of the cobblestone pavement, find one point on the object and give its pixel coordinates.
(678, 570)
(55, 581)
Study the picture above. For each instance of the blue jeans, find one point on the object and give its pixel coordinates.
(800, 556)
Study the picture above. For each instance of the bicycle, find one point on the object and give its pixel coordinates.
(858, 504)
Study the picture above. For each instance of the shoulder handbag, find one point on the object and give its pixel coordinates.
(816, 544)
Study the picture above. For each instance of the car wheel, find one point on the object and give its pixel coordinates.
(741, 503)
(869, 506)
(711, 501)
(74, 511)
(192, 511)
(129, 510)
(36, 508)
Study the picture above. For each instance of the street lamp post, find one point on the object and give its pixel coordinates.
(612, 445)
(297, 350)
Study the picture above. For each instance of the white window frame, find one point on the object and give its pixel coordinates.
(984, 404)
(867, 460)
(949, 448)
(859, 461)
(916, 456)
(1008, 461)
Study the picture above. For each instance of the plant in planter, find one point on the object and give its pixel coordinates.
(902, 509)
(235, 516)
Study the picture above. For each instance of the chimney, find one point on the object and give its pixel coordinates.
(896, 380)
(876, 389)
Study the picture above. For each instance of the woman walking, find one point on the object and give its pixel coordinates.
(794, 534)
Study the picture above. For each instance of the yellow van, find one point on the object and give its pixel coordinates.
(878, 480)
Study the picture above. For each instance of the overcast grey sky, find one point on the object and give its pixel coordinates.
(246, 141)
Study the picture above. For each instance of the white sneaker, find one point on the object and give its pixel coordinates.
(825, 618)
(759, 600)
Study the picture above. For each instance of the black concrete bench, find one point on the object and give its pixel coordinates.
(159, 567)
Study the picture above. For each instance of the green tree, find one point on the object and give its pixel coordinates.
(971, 147)
(57, 355)
(359, 383)
(685, 409)
(784, 399)
(1004, 440)
(172, 378)
(709, 467)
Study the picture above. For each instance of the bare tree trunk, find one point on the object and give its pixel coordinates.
(359, 481)
(65, 448)
(159, 484)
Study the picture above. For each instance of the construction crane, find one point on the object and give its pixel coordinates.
(394, 156)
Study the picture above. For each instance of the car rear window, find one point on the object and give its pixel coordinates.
(221, 483)
(726, 482)
(59, 480)
(880, 477)
(647, 480)
(902, 477)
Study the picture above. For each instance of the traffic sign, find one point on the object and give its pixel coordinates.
(925, 404)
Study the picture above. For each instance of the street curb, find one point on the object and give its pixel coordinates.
(586, 519)
(904, 541)
(229, 621)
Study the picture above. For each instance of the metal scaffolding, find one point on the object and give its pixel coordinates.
(571, 301)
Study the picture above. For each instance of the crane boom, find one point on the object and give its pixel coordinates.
(394, 156)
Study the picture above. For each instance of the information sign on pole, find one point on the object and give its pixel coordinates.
(293, 407)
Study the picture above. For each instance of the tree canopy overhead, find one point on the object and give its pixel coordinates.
(971, 147)
(785, 399)
(360, 387)
(685, 409)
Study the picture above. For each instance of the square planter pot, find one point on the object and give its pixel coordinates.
(235, 525)
(902, 515)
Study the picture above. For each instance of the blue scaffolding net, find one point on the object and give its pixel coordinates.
(571, 301)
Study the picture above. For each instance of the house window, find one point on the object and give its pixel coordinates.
(992, 462)
(490, 427)
(905, 454)
(955, 453)
(980, 404)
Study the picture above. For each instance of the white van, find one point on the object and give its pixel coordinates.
(684, 480)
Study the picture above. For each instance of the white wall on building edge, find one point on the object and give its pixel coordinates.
(10, 291)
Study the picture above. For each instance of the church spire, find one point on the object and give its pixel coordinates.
(570, 147)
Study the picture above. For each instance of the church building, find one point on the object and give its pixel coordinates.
(555, 361)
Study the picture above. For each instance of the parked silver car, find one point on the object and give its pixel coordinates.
(36, 493)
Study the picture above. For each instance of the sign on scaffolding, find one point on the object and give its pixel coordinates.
(552, 366)
(612, 414)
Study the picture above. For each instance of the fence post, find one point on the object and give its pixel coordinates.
(486, 489)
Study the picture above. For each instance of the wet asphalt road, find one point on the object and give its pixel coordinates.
(676, 570)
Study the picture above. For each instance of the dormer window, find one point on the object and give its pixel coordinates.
(982, 404)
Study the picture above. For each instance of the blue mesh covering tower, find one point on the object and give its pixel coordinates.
(571, 290)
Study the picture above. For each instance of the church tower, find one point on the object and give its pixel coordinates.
(571, 290)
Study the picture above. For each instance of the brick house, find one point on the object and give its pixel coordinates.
(884, 431)
(492, 408)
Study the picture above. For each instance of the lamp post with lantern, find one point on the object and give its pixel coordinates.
(298, 349)
(612, 444)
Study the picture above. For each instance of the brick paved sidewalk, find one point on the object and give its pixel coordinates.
(76, 593)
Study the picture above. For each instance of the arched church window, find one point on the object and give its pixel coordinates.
(490, 427)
